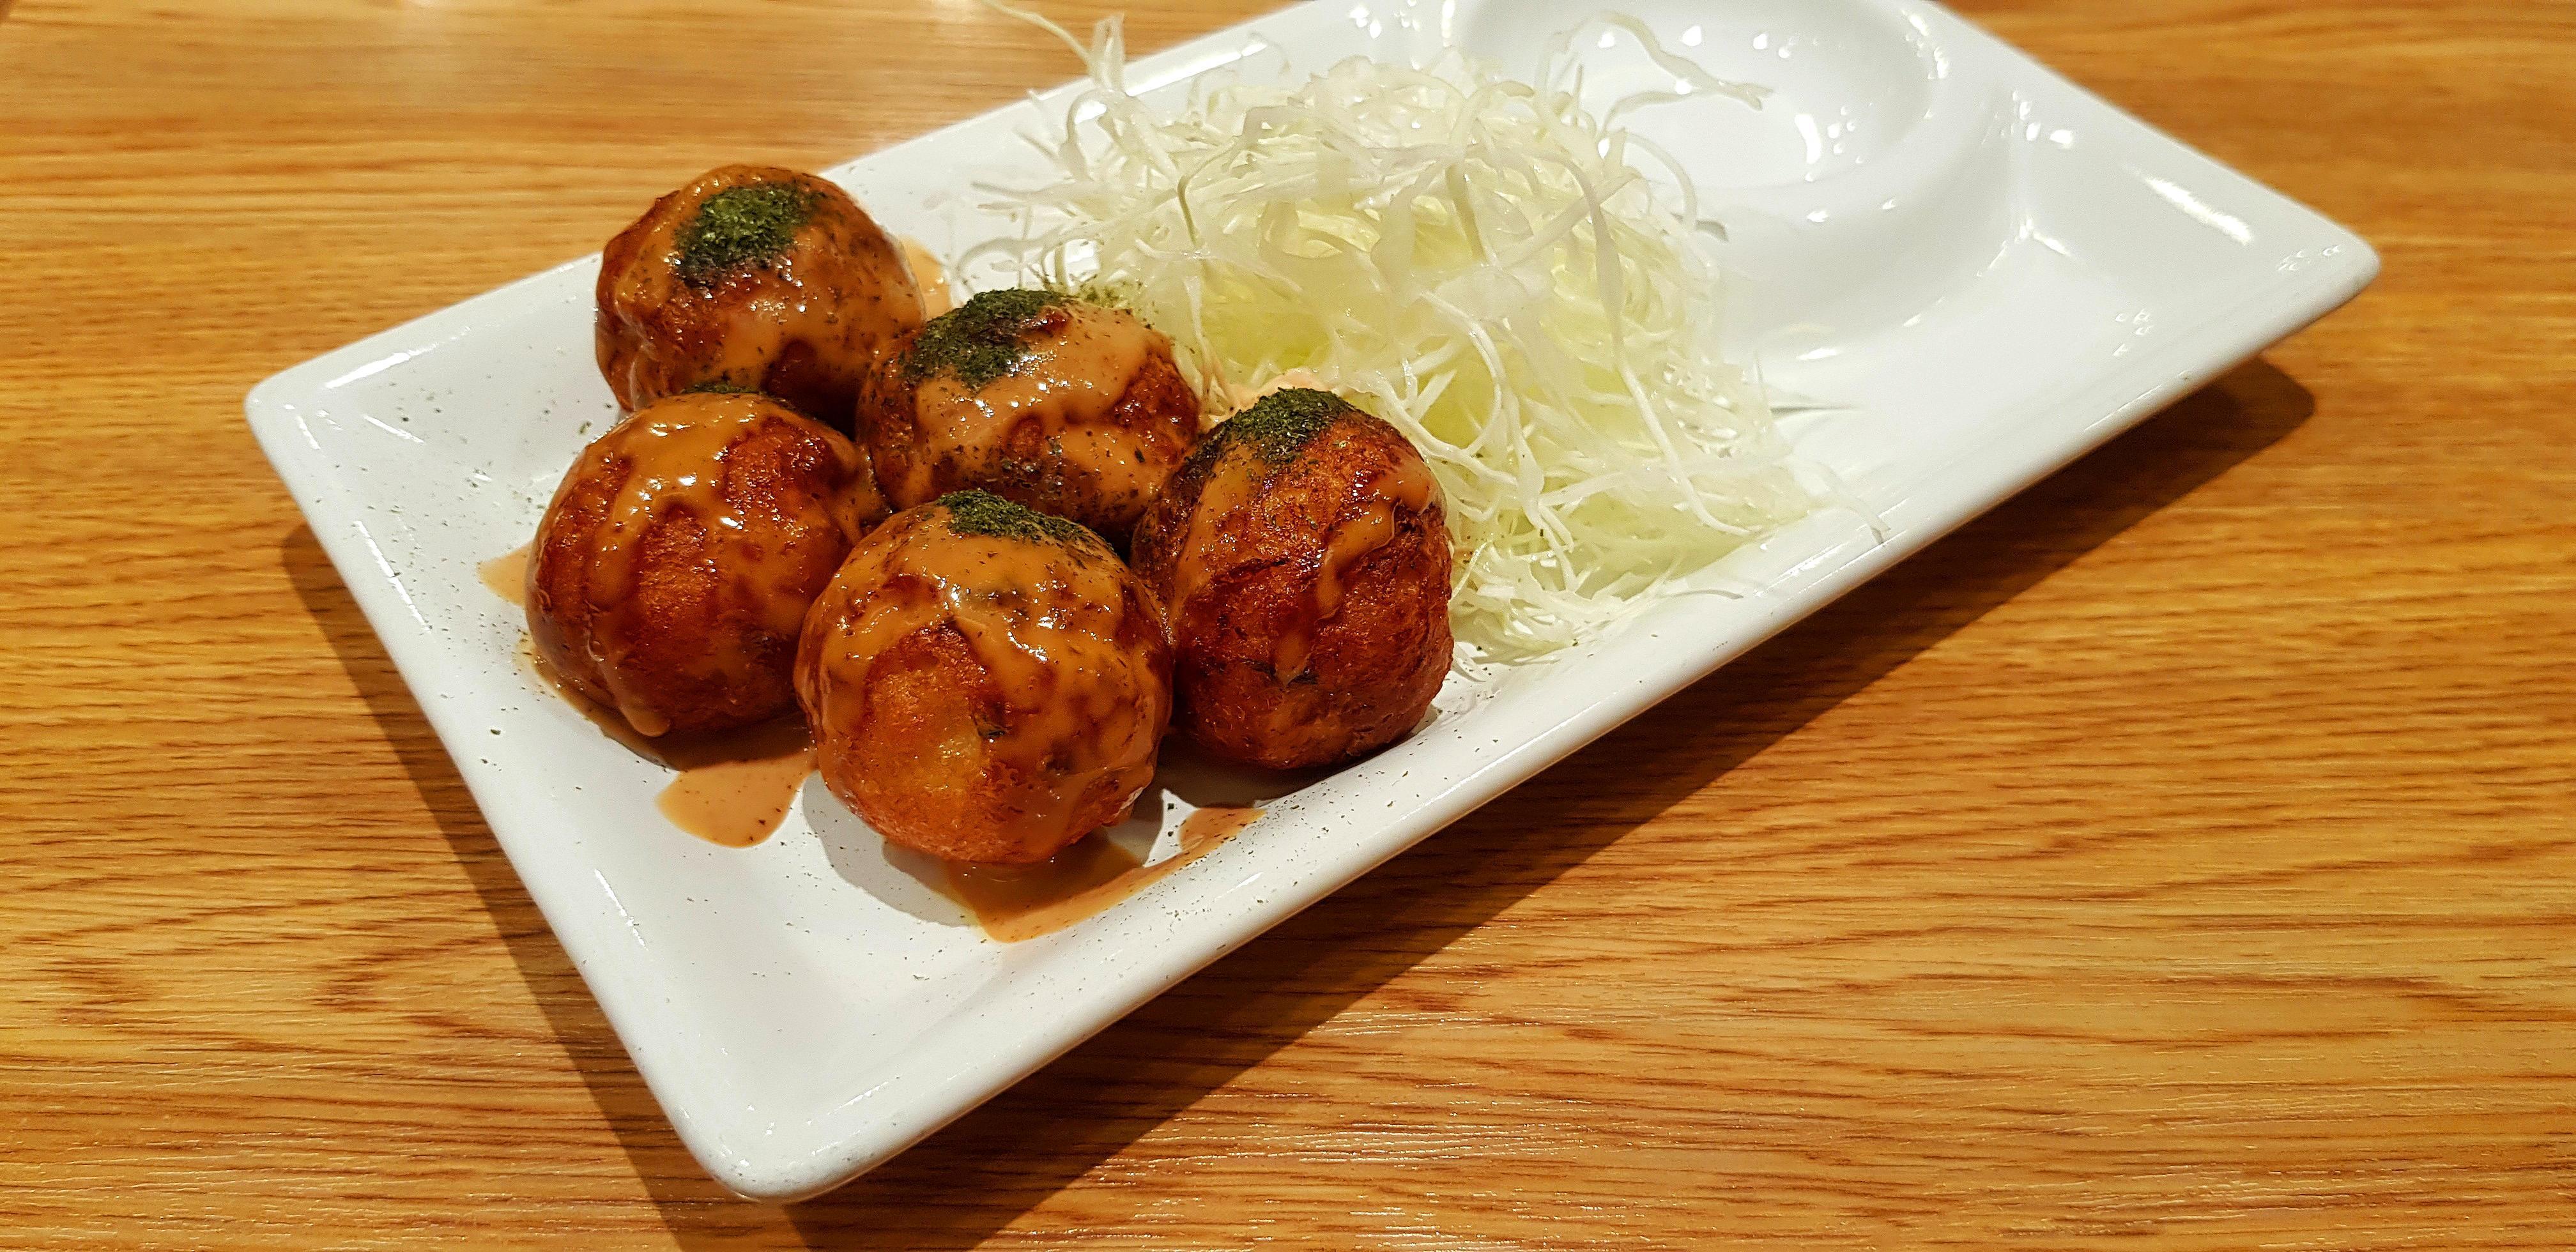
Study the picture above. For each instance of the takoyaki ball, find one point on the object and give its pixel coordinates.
(1302, 560)
(1068, 407)
(671, 575)
(985, 683)
(755, 276)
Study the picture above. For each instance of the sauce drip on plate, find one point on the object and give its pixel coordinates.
(506, 575)
(928, 276)
(735, 787)
(1019, 902)
(738, 798)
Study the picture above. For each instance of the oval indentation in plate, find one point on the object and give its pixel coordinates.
(1845, 81)
(1867, 180)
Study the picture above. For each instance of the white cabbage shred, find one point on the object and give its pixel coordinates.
(1477, 260)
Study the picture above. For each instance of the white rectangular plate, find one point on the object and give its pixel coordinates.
(1978, 269)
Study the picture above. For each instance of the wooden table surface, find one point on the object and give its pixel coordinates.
(2185, 854)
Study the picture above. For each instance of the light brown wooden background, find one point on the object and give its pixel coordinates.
(2185, 854)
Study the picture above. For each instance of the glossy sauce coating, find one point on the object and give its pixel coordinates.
(673, 570)
(805, 323)
(1087, 425)
(1306, 588)
(984, 697)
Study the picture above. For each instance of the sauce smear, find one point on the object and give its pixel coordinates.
(738, 796)
(735, 786)
(1018, 902)
(1209, 827)
(928, 275)
(507, 575)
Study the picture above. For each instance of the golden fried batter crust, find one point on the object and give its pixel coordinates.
(981, 696)
(672, 572)
(1307, 592)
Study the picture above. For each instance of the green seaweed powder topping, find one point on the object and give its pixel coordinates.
(1278, 425)
(983, 513)
(740, 226)
(982, 339)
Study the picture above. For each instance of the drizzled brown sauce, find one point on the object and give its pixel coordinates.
(1019, 902)
(1368, 522)
(839, 291)
(1066, 388)
(1032, 616)
(680, 460)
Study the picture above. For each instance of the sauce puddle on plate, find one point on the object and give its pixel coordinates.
(507, 575)
(742, 789)
(735, 786)
(928, 275)
(1017, 902)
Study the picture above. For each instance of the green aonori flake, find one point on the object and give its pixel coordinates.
(741, 226)
(982, 339)
(983, 513)
(1274, 430)
(1278, 425)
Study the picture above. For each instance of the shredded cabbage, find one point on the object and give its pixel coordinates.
(1477, 260)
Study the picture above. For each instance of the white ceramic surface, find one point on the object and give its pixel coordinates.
(1976, 270)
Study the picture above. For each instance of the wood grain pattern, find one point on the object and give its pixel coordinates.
(2184, 855)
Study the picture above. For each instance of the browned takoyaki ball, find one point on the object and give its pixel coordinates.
(670, 577)
(757, 277)
(1302, 559)
(985, 683)
(1065, 406)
